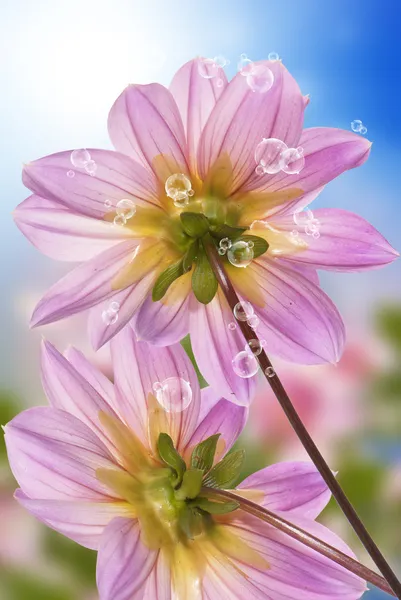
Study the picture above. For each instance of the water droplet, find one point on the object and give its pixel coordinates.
(157, 386)
(221, 61)
(260, 170)
(251, 244)
(294, 233)
(221, 251)
(300, 150)
(70, 174)
(273, 56)
(260, 79)
(292, 161)
(232, 326)
(302, 217)
(109, 317)
(245, 65)
(253, 321)
(114, 306)
(119, 220)
(240, 254)
(177, 187)
(312, 226)
(245, 364)
(268, 154)
(126, 208)
(174, 394)
(225, 243)
(191, 192)
(108, 203)
(356, 125)
(208, 68)
(91, 168)
(255, 346)
(270, 372)
(363, 130)
(219, 83)
(243, 311)
(316, 235)
(79, 158)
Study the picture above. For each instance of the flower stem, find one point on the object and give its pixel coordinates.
(300, 429)
(309, 540)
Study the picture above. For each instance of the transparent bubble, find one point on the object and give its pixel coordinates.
(270, 372)
(292, 161)
(253, 321)
(219, 83)
(300, 150)
(114, 306)
(119, 220)
(268, 154)
(316, 235)
(191, 192)
(363, 130)
(79, 158)
(260, 79)
(273, 56)
(126, 208)
(302, 217)
(255, 346)
(250, 244)
(70, 174)
(178, 187)
(232, 326)
(312, 227)
(243, 311)
(245, 364)
(245, 65)
(240, 254)
(294, 233)
(108, 203)
(225, 243)
(109, 317)
(221, 61)
(208, 68)
(91, 168)
(174, 394)
(157, 386)
(221, 251)
(260, 170)
(356, 125)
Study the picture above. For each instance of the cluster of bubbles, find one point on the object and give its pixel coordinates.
(110, 315)
(359, 127)
(179, 188)
(258, 77)
(304, 218)
(273, 155)
(240, 253)
(125, 210)
(174, 394)
(244, 363)
(81, 159)
(209, 68)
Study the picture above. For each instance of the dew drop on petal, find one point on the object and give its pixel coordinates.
(273, 56)
(114, 306)
(91, 168)
(225, 243)
(79, 158)
(316, 235)
(231, 326)
(119, 220)
(109, 317)
(243, 311)
(174, 394)
(191, 193)
(294, 233)
(219, 83)
(245, 364)
(157, 386)
(251, 244)
(221, 251)
(260, 170)
(292, 161)
(240, 254)
(268, 154)
(126, 208)
(108, 203)
(270, 372)
(260, 79)
(245, 65)
(253, 321)
(356, 125)
(302, 217)
(178, 187)
(208, 68)
(255, 346)
(70, 174)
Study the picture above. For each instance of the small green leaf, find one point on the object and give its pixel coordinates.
(222, 231)
(170, 456)
(190, 256)
(190, 520)
(203, 454)
(191, 484)
(226, 472)
(194, 224)
(204, 282)
(260, 245)
(165, 279)
(216, 508)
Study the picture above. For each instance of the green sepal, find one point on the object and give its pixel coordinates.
(190, 256)
(195, 225)
(170, 456)
(190, 520)
(204, 282)
(260, 245)
(191, 484)
(165, 279)
(216, 508)
(226, 473)
(222, 231)
(203, 454)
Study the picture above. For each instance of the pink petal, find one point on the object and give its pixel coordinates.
(130, 299)
(299, 322)
(347, 242)
(215, 346)
(158, 586)
(124, 563)
(144, 122)
(293, 487)
(162, 324)
(221, 417)
(196, 97)
(137, 367)
(92, 375)
(86, 285)
(82, 522)
(242, 118)
(117, 177)
(54, 456)
(290, 207)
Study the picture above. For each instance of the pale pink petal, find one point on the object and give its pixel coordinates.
(299, 321)
(158, 586)
(117, 177)
(293, 487)
(215, 346)
(144, 122)
(123, 563)
(137, 367)
(86, 285)
(288, 208)
(195, 96)
(162, 324)
(92, 374)
(54, 456)
(346, 243)
(101, 328)
(242, 118)
(83, 522)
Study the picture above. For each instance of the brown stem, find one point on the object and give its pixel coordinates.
(309, 540)
(300, 429)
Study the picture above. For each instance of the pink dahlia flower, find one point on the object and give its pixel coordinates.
(193, 148)
(119, 469)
